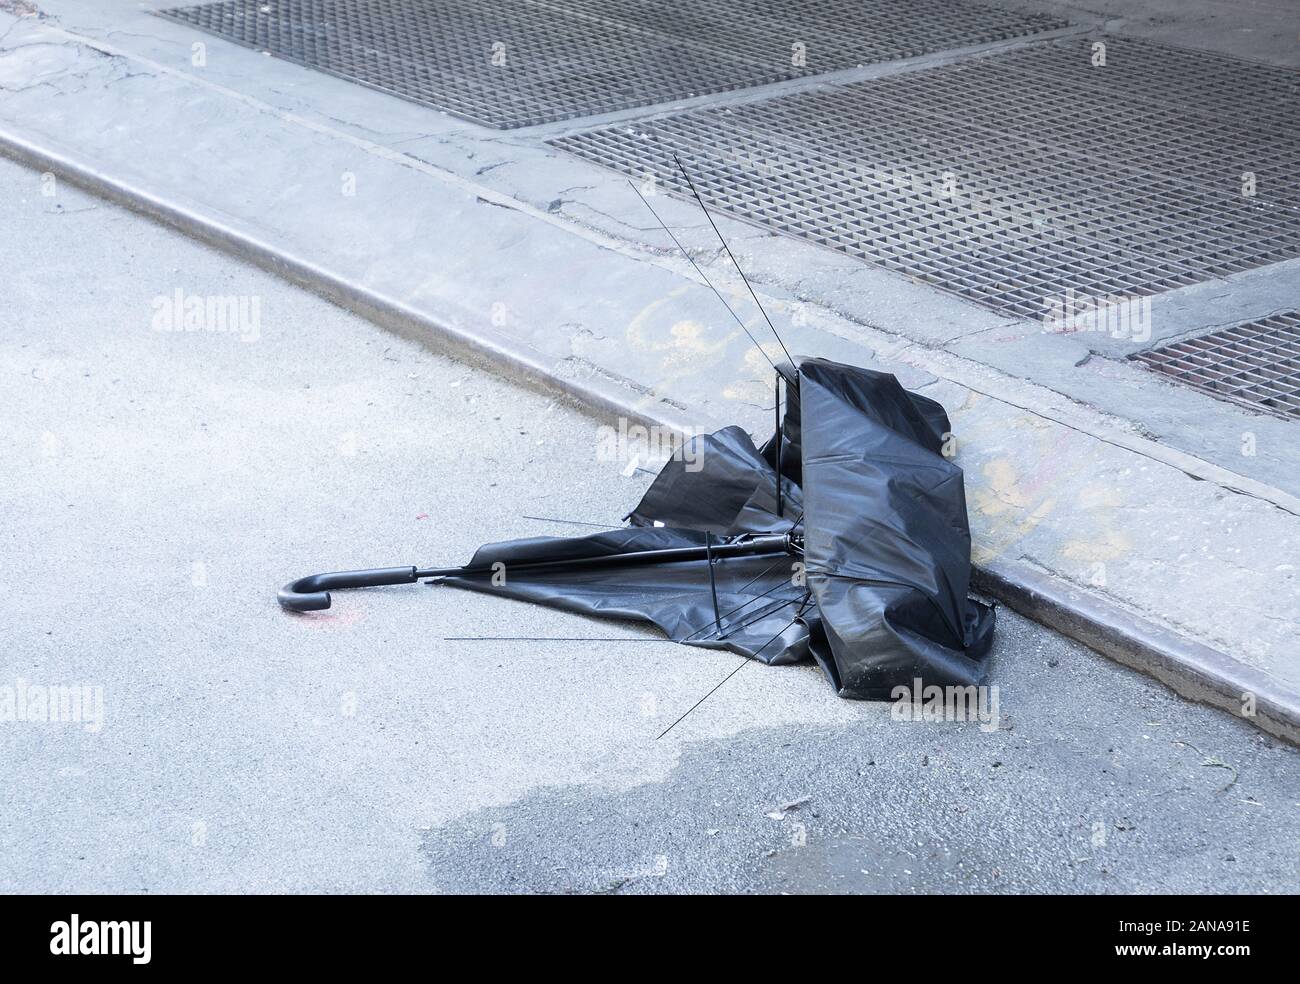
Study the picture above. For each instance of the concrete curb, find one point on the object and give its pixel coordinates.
(480, 346)
(1190, 668)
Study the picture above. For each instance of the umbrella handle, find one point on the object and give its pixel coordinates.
(312, 593)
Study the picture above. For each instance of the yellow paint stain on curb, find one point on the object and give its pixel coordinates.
(684, 339)
(1005, 500)
(1002, 493)
(688, 347)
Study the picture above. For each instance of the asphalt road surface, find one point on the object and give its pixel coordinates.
(159, 483)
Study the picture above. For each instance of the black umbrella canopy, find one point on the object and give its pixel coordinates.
(844, 540)
(886, 537)
(862, 563)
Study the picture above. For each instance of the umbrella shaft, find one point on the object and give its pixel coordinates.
(775, 543)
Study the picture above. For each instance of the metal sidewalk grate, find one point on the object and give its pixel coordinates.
(1011, 179)
(512, 63)
(1255, 364)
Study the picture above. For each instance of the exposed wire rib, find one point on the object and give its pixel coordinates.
(703, 276)
(761, 309)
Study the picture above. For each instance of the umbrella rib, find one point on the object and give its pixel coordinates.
(572, 522)
(765, 570)
(734, 263)
(760, 615)
(780, 438)
(705, 278)
(747, 659)
(705, 697)
(713, 581)
(745, 604)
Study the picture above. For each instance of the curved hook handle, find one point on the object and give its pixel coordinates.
(311, 593)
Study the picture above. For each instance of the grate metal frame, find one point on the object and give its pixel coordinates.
(566, 59)
(1065, 180)
(1256, 364)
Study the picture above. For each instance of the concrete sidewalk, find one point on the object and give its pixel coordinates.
(1112, 505)
(159, 485)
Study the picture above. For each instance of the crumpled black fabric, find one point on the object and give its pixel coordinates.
(879, 598)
